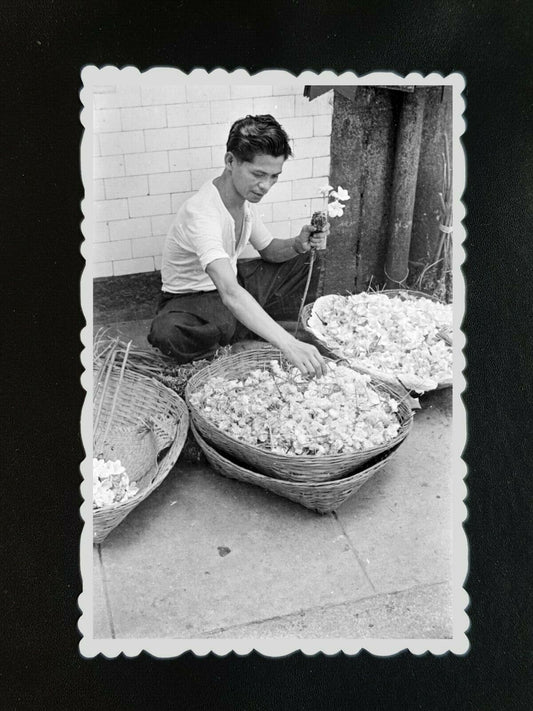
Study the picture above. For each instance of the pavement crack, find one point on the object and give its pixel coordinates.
(354, 551)
(371, 602)
(106, 593)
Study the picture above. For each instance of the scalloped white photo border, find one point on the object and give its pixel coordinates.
(92, 77)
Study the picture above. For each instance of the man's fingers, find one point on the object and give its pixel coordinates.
(317, 366)
(308, 360)
(321, 368)
(318, 239)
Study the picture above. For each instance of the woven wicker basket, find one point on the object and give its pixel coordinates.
(137, 404)
(302, 468)
(322, 497)
(414, 384)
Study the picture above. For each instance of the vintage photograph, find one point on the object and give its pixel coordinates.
(273, 423)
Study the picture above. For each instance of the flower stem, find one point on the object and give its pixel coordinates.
(309, 273)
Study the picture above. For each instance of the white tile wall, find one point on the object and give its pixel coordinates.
(120, 143)
(144, 163)
(306, 188)
(149, 205)
(106, 210)
(321, 166)
(278, 106)
(102, 269)
(189, 114)
(143, 118)
(133, 266)
(99, 190)
(107, 120)
(249, 91)
(108, 166)
(170, 182)
(190, 158)
(155, 146)
(160, 224)
(101, 232)
(301, 127)
(126, 187)
(166, 139)
(311, 147)
(121, 98)
(111, 251)
(130, 229)
(163, 95)
(295, 169)
(147, 246)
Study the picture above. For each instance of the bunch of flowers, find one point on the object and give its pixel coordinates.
(393, 335)
(279, 410)
(319, 219)
(333, 208)
(111, 484)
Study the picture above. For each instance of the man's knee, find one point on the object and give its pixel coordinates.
(183, 336)
(164, 334)
(160, 327)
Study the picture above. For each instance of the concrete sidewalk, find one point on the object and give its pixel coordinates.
(209, 557)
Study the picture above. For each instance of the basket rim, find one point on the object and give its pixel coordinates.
(313, 461)
(294, 484)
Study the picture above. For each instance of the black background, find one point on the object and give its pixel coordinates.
(45, 45)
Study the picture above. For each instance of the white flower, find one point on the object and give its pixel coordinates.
(340, 194)
(335, 209)
(325, 190)
(111, 484)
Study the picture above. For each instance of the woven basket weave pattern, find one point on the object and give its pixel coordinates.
(135, 447)
(303, 468)
(323, 497)
(326, 350)
(140, 399)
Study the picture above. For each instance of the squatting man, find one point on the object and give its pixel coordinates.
(209, 297)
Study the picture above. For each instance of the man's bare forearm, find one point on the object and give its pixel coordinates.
(246, 310)
(281, 250)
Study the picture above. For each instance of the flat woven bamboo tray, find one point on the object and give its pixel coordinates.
(301, 468)
(322, 497)
(410, 383)
(137, 403)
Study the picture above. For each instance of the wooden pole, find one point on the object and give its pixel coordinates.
(404, 187)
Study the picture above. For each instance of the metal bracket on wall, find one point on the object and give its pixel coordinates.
(312, 92)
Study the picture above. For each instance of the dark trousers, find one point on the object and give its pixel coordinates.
(194, 325)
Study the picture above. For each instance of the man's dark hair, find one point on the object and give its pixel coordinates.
(258, 135)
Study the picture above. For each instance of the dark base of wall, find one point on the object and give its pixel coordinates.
(125, 298)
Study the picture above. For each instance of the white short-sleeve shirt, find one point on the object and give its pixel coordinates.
(203, 231)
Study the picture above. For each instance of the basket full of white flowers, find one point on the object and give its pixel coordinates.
(256, 407)
(396, 335)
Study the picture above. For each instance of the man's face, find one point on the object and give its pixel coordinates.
(253, 179)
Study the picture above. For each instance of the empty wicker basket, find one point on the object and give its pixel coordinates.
(322, 497)
(300, 468)
(147, 432)
(329, 349)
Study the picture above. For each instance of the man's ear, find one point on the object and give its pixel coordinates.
(229, 160)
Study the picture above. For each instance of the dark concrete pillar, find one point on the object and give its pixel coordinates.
(362, 151)
(437, 125)
(386, 150)
(404, 187)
